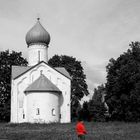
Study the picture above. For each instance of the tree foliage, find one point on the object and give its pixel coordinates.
(78, 83)
(84, 113)
(97, 106)
(99, 93)
(7, 59)
(123, 85)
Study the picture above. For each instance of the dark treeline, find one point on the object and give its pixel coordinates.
(117, 99)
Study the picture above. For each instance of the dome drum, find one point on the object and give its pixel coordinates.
(38, 43)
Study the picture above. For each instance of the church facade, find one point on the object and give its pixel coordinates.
(39, 93)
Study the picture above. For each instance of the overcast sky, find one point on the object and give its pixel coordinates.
(93, 31)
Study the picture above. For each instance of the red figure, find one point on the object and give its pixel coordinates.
(80, 130)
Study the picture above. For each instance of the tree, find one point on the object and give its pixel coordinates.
(7, 59)
(99, 93)
(123, 85)
(97, 106)
(78, 83)
(84, 112)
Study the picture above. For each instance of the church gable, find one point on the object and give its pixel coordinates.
(18, 71)
(52, 74)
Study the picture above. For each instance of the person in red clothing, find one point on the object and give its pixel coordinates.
(80, 130)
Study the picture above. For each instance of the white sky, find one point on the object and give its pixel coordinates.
(93, 31)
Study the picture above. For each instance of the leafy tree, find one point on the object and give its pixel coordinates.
(7, 59)
(84, 112)
(78, 83)
(99, 93)
(97, 106)
(123, 85)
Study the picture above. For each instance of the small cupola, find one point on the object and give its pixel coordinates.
(37, 35)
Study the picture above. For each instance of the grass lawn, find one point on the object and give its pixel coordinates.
(96, 131)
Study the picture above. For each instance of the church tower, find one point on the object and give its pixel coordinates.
(37, 39)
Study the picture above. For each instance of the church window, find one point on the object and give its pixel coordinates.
(37, 111)
(60, 116)
(23, 114)
(53, 112)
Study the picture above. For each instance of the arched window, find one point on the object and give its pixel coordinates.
(53, 112)
(37, 111)
(23, 114)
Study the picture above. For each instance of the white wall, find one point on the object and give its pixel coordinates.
(41, 107)
(21, 83)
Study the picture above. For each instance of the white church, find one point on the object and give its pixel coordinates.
(39, 93)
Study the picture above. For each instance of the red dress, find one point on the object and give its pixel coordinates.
(80, 128)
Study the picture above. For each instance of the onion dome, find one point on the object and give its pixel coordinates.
(37, 34)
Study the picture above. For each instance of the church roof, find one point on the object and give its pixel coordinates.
(17, 71)
(37, 34)
(42, 84)
(63, 70)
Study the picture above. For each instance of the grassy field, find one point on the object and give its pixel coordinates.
(96, 131)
